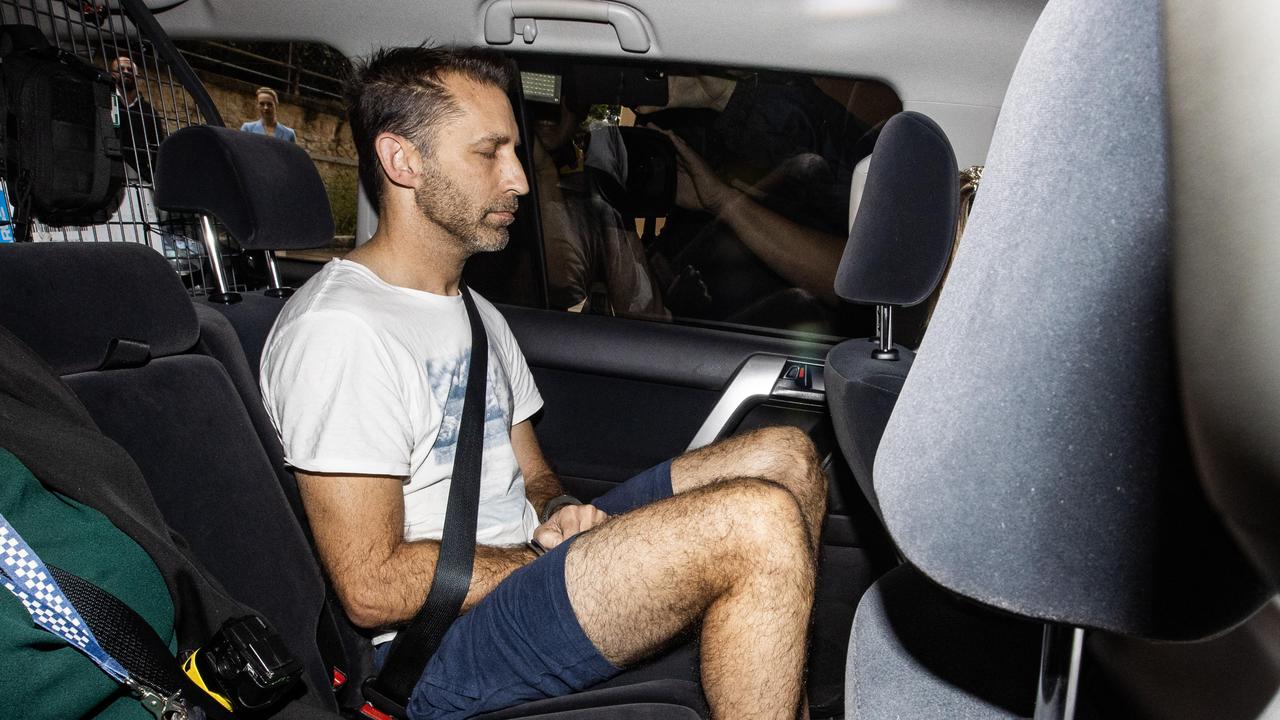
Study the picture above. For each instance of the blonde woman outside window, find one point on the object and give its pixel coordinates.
(266, 123)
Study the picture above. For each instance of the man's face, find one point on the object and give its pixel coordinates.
(472, 178)
(124, 73)
(266, 107)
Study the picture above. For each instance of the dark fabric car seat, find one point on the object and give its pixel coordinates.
(116, 324)
(268, 195)
(1036, 461)
(897, 251)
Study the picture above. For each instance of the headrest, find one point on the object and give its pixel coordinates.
(1036, 460)
(83, 306)
(265, 192)
(906, 222)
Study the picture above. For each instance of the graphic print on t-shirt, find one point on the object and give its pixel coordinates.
(449, 381)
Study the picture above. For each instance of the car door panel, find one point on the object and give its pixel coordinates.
(621, 395)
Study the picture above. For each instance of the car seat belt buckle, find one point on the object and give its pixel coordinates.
(368, 710)
(378, 706)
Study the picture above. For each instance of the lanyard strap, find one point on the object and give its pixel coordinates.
(27, 577)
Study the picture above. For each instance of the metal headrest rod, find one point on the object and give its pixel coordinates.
(212, 249)
(884, 330)
(276, 289)
(1060, 656)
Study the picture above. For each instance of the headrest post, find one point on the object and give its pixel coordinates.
(212, 249)
(1060, 656)
(277, 290)
(884, 327)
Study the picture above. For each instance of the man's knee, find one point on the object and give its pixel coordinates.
(761, 522)
(791, 458)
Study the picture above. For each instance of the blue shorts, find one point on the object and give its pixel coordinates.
(523, 642)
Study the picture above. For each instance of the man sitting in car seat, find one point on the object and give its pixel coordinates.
(363, 376)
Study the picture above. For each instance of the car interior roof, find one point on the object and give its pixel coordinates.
(950, 59)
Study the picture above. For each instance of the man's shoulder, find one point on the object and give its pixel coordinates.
(496, 325)
(493, 317)
(337, 294)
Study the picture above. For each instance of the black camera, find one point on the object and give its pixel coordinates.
(246, 664)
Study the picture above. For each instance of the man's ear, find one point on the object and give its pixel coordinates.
(399, 159)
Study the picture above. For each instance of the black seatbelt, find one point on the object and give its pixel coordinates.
(388, 692)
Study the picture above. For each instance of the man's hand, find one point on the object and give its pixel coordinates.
(697, 185)
(567, 522)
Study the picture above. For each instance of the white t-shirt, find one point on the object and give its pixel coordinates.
(363, 377)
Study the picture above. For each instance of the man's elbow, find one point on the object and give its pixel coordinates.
(365, 607)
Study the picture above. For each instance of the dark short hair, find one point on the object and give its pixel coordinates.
(402, 91)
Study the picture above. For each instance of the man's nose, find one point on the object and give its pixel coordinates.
(513, 177)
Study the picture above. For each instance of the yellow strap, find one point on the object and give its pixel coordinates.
(193, 672)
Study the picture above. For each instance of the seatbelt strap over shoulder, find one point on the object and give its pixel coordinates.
(388, 692)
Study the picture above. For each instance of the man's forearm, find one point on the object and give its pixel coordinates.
(804, 256)
(541, 488)
(395, 590)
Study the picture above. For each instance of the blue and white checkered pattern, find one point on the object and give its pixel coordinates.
(26, 579)
(26, 576)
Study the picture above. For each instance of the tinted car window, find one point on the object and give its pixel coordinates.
(698, 195)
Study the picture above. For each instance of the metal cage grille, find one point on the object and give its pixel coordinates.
(155, 106)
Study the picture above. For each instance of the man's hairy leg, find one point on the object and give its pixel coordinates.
(735, 554)
(784, 455)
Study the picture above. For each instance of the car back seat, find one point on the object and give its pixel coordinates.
(116, 324)
(256, 187)
(267, 194)
(344, 648)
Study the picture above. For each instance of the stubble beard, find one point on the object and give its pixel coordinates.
(441, 201)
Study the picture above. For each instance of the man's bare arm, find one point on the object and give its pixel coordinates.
(541, 485)
(381, 579)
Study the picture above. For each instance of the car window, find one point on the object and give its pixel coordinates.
(150, 105)
(700, 195)
(305, 78)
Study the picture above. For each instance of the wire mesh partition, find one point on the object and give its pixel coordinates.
(152, 104)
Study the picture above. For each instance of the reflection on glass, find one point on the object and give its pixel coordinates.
(752, 225)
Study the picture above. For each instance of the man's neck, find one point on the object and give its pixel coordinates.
(268, 123)
(416, 255)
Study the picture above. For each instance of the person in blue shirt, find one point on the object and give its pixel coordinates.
(266, 123)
